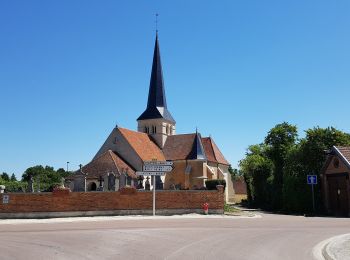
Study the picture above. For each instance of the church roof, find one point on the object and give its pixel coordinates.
(156, 105)
(108, 162)
(142, 144)
(197, 151)
(178, 147)
(191, 147)
(213, 152)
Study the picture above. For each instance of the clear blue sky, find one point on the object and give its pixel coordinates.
(71, 70)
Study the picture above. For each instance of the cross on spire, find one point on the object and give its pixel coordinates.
(157, 22)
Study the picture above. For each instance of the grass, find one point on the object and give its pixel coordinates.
(231, 209)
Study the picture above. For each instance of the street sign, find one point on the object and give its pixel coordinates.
(312, 179)
(5, 199)
(157, 168)
(150, 173)
(158, 163)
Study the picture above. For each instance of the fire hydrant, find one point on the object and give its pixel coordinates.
(205, 208)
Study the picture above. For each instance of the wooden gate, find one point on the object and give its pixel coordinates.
(338, 194)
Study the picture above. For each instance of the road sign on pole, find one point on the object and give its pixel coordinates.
(150, 173)
(312, 180)
(158, 163)
(157, 168)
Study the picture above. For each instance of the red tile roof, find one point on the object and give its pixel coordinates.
(212, 152)
(106, 163)
(345, 151)
(142, 145)
(178, 147)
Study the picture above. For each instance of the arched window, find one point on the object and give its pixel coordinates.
(155, 129)
(145, 129)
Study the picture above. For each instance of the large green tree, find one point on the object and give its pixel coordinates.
(257, 171)
(279, 140)
(45, 177)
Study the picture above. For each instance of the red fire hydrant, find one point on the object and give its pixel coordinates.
(205, 208)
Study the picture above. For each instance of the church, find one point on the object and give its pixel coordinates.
(195, 158)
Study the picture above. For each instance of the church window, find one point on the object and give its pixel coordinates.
(155, 129)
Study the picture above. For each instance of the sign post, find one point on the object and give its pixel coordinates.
(312, 180)
(155, 168)
(154, 195)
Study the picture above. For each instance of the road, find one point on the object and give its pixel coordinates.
(269, 237)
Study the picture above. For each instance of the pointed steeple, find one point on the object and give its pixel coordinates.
(197, 152)
(156, 105)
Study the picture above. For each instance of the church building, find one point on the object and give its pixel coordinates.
(195, 158)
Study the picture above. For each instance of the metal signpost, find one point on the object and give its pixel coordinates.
(155, 168)
(312, 180)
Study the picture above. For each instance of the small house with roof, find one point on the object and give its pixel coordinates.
(335, 181)
(195, 158)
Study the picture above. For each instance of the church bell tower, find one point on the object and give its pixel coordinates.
(156, 120)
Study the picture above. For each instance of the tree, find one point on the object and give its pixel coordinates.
(5, 176)
(257, 171)
(46, 176)
(279, 140)
(13, 177)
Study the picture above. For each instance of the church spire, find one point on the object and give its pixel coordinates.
(156, 104)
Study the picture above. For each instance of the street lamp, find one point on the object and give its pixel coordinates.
(67, 166)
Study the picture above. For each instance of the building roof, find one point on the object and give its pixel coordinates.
(197, 151)
(191, 147)
(212, 152)
(344, 153)
(178, 147)
(108, 162)
(142, 144)
(156, 105)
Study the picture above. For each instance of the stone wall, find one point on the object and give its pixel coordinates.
(124, 200)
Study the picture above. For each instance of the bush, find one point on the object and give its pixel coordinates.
(211, 184)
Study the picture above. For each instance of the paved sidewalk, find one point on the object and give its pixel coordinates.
(129, 217)
(334, 248)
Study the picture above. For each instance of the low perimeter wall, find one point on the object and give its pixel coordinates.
(65, 203)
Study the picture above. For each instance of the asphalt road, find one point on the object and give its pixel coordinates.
(269, 237)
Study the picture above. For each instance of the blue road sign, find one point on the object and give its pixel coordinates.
(312, 179)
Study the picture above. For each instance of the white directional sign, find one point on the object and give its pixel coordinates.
(158, 163)
(157, 168)
(150, 173)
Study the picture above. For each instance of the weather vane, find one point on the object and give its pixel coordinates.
(157, 22)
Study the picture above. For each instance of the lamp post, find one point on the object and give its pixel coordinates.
(67, 166)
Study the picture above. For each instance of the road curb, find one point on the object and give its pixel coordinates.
(333, 248)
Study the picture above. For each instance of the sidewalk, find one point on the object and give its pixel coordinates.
(112, 218)
(334, 248)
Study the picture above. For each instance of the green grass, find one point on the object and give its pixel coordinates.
(231, 209)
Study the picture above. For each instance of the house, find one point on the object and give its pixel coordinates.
(335, 181)
(195, 158)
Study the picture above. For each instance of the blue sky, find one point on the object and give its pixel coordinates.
(71, 70)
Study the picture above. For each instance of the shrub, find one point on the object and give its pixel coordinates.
(211, 184)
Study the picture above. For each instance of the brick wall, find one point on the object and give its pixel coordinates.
(62, 201)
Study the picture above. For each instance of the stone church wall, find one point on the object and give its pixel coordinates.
(64, 203)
